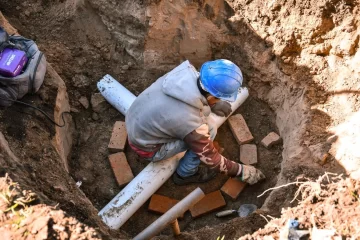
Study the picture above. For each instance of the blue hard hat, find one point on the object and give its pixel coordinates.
(221, 78)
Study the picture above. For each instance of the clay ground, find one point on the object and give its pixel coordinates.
(89, 163)
(91, 166)
(301, 59)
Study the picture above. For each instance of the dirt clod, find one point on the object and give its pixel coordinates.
(300, 61)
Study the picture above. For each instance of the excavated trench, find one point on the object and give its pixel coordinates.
(137, 42)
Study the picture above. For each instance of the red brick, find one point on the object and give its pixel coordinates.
(211, 202)
(118, 138)
(248, 154)
(121, 168)
(239, 129)
(161, 204)
(233, 187)
(271, 139)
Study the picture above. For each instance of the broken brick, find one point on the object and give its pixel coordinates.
(211, 202)
(121, 168)
(271, 139)
(248, 154)
(118, 138)
(239, 129)
(233, 187)
(161, 204)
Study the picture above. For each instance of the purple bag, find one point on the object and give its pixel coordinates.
(12, 61)
(20, 77)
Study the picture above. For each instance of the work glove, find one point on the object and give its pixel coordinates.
(251, 175)
(221, 108)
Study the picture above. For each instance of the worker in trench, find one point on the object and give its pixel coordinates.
(170, 117)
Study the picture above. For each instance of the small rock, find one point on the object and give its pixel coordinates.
(125, 67)
(80, 80)
(84, 101)
(331, 139)
(60, 188)
(263, 112)
(95, 116)
(40, 223)
(75, 110)
(98, 103)
(27, 13)
(321, 49)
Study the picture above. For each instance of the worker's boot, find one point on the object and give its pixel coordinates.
(203, 174)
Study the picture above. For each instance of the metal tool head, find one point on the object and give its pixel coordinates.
(246, 209)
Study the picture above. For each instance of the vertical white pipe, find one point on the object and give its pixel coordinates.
(154, 175)
(171, 215)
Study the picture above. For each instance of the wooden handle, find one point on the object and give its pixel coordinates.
(225, 213)
(175, 227)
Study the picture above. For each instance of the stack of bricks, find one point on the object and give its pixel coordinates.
(118, 161)
(248, 152)
(242, 134)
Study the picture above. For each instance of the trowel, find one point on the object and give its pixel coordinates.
(244, 211)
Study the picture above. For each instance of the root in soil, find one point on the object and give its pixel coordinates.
(330, 205)
(23, 217)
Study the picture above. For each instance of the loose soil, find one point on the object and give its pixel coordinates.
(331, 203)
(22, 215)
(300, 60)
(269, 161)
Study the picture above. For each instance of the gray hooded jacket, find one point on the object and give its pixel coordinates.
(168, 110)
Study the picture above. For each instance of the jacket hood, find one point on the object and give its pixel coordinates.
(181, 83)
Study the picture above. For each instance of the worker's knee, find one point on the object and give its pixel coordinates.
(168, 150)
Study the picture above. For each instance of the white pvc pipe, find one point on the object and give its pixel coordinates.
(171, 215)
(116, 94)
(155, 174)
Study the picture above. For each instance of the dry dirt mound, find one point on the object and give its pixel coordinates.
(330, 203)
(22, 218)
(302, 58)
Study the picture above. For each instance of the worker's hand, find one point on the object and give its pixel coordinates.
(251, 175)
(221, 108)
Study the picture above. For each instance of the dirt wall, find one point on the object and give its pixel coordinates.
(301, 57)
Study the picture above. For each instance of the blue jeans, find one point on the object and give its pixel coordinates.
(189, 163)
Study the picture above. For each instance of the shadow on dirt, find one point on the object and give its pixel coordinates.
(288, 89)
